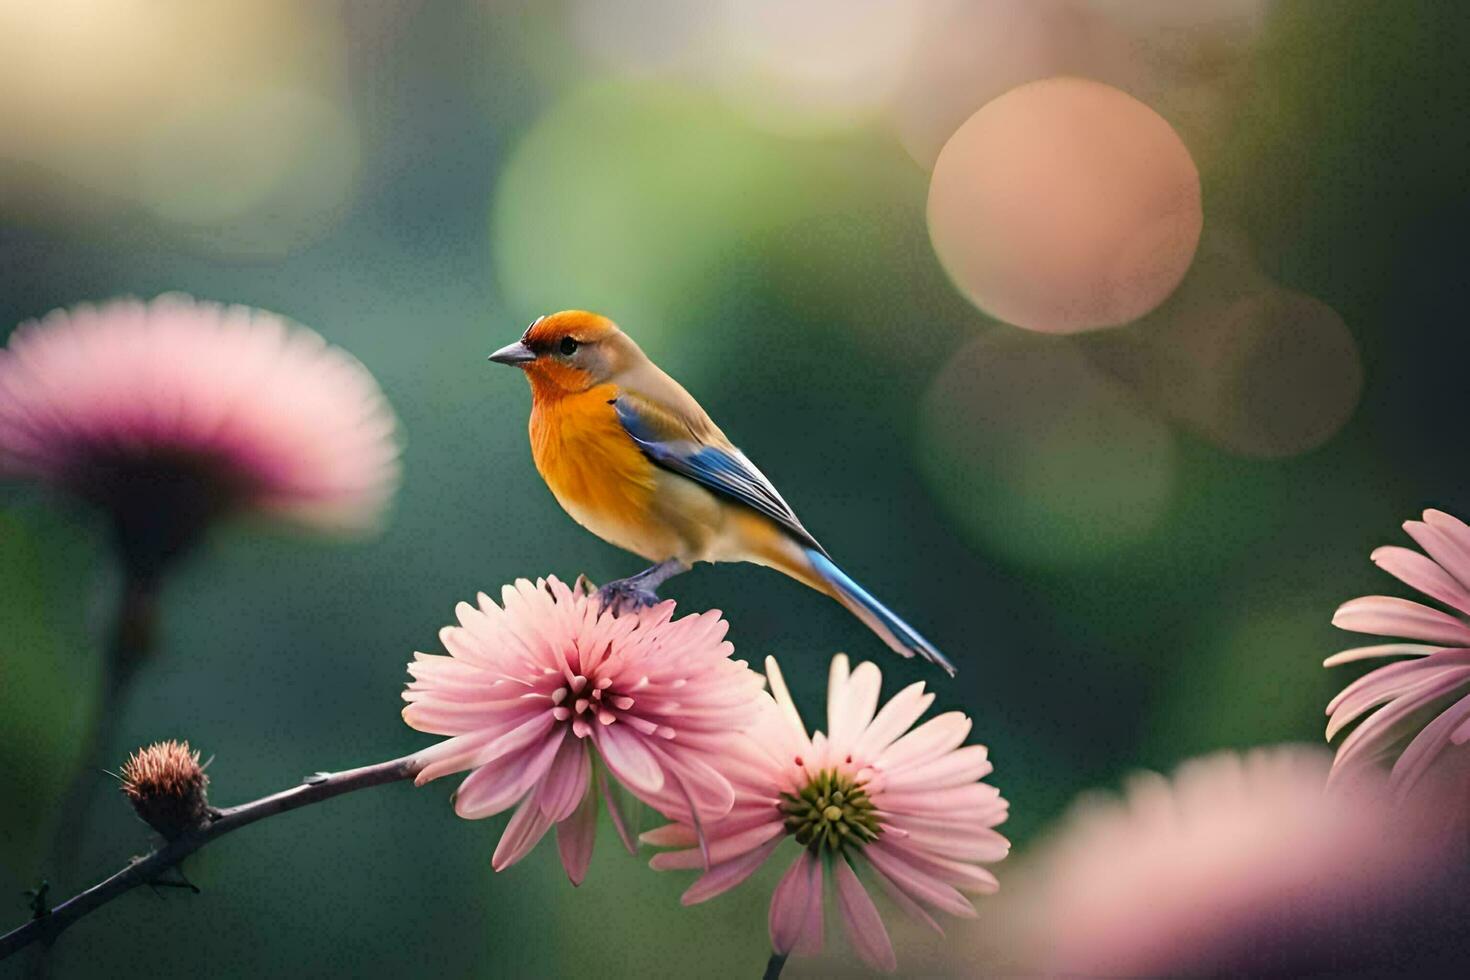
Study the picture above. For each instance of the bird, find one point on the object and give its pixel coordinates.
(633, 458)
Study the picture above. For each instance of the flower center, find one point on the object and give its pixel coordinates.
(830, 813)
(582, 702)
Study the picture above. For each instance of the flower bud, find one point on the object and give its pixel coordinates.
(166, 785)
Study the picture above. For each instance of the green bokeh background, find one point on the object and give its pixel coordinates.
(790, 283)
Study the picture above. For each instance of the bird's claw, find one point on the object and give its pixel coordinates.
(626, 595)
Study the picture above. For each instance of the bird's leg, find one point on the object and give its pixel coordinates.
(641, 590)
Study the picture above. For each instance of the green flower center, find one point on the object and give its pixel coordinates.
(831, 813)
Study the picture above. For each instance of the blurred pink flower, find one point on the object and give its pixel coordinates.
(175, 412)
(542, 691)
(904, 806)
(1240, 865)
(1434, 687)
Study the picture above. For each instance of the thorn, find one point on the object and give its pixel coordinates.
(177, 884)
(317, 778)
(180, 882)
(37, 904)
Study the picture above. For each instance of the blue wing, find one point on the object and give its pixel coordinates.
(721, 469)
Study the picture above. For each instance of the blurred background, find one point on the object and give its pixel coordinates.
(1109, 386)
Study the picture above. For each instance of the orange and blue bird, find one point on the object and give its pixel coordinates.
(631, 456)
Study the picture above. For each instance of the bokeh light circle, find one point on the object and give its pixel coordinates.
(816, 66)
(1272, 374)
(970, 53)
(628, 199)
(1039, 456)
(224, 121)
(1065, 205)
(256, 170)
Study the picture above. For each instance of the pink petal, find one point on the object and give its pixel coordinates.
(1387, 616)
(1378, 731)
(937, 802)
(575, 837)
(707, 788)
(783, 699)
(1445, 540)
(690, 807)
(617, 808)
(1423, 574)
(837, 674)
(917, 885)
(810, 943)
(910, 907)
(960, 874)
(791, 903)
(451, 755)
(852, 701)
(628, 758)
(669, 835)
(1420, 754)
(721, 849)
(527, 826)
(496, 786)
(723, 877)
(963, 765)
(1381, 650)
(897, 716)
(864, 927)
(965, 842)
(566, 782)
(1389, 682)
(937, 735)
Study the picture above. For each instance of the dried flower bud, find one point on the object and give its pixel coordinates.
(166, 785)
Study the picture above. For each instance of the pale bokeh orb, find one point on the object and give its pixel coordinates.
(1039, 456)
(969, 53)
(642, 227)
(1271, 374)
(259, 170)
(226, 121)
(645, 37)
(816, 66)
(1065, 205)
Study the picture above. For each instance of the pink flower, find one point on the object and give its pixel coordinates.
(1436, 682)
(1241, 865)
(172, 413)
(541, 692)
(904, 807)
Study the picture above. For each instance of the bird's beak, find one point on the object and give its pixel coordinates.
(513, 354)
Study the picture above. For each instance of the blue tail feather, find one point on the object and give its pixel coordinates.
(902, 638)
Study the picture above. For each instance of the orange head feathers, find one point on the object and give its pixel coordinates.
(546, 332)
(569, 352)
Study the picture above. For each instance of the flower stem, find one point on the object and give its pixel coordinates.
(774, 966)
(48, 924)
(127, 646)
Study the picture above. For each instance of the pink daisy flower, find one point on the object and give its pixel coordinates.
(541, 693)
(904, 807)
(1433, 686)
(172, 413)
(1239, 865)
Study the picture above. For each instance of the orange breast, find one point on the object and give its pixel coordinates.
(594, 468)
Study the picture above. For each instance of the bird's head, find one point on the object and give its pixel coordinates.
(569, 351)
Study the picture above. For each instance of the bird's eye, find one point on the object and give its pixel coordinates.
(568, 346)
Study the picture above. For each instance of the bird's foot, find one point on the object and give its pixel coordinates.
(627, 595)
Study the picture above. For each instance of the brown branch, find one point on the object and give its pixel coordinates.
(314, 789)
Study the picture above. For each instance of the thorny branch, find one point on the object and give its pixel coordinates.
(47, 924)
